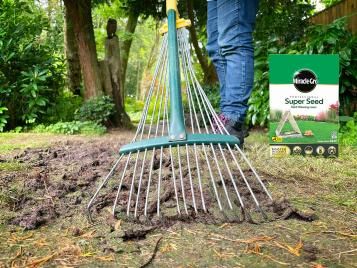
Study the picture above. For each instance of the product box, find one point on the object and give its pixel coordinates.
(304, 102)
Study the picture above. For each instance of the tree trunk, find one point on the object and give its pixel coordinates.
(71, 50)
(130, 28)
(209, 71)
(80, 14)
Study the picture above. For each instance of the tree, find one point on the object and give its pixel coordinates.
(80, 13)
(74, 77)
(126, 45)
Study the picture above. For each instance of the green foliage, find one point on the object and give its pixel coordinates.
(34, 93)
(3, 118)
(213, 95)
(65, 107)
(318, 39)
(71, 128)
(31, 70)
(329, 3)
(335, 39)
(97, 110)
(348, 132)
(134, 108)
(283, 19)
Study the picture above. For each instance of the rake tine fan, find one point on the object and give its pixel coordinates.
(180, 150)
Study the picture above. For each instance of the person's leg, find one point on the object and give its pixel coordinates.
(236, 20)
(213, 49)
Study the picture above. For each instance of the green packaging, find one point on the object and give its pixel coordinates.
(304, 102)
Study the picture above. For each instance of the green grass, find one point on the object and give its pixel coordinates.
(21, 141)
(12, 166)
(321, 130)
(335, 178)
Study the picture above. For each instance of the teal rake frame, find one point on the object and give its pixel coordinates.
(177, 130)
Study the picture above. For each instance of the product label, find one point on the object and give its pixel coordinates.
(304, 103)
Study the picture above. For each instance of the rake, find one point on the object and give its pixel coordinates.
(181, 148)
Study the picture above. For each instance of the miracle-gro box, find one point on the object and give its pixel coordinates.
(304, 103)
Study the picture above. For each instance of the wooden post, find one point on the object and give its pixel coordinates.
(110, 70)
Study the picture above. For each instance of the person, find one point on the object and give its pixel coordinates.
(230, 24)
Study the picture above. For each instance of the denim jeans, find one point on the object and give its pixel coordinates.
(230, 24)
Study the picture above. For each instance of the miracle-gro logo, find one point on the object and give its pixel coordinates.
(305, 80)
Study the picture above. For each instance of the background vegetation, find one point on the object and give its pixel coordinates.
(41, 82)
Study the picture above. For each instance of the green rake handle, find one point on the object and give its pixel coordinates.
(177, 130)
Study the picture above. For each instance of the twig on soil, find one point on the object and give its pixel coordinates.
(293, 250)
(340, 233)
(345, 252)
(41, 261)
(16, 239)
(18, 254)
(247, 241)
(48, 193)
(153, 254)
(271, 258)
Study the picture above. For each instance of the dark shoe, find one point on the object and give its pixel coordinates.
(234, 128)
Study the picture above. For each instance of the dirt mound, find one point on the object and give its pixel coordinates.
(62, 179)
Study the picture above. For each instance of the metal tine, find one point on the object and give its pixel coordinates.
(181, 179)
(204, 97)
(241, 172)
(191, 104)
(159, 183)
(174, 179)
(192, 127)
(140, 180)
(162, 59)
(120, 184)
(192, 107)
(212, 178)
(218, 122)
(132, 182)
(186, 64)
(165, 117)
(190, 177)
(149, 134)
(221, 127)
(185, 57)
(104, 182)
(154, 149)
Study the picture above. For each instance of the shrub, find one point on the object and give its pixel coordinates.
(65, 107)
(97, 110)
(348, 132)
(31, 70)
(71, 128)
(318, 39)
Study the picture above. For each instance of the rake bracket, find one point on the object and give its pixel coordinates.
(165, 142)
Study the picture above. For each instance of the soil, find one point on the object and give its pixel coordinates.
(50, 196)
(62, 178)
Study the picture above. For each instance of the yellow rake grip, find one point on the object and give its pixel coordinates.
(172, 5)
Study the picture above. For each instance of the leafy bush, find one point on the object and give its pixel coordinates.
(348, 132)
(33, 91)
(3, 118)
(65, 107)
(318, 39)
(97, 110)
(31, 71)
(335, 39)
(70, 128)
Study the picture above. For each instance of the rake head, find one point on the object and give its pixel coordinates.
(204, 170)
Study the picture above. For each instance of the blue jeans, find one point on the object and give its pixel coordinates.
(230, 24)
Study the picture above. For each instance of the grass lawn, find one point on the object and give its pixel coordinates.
(321, 130)
(325, 186)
